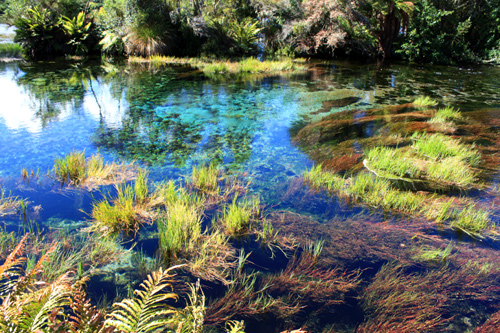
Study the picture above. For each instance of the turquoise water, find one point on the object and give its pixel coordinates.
(168, 119)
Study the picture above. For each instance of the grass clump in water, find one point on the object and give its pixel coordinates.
(393, 161)
(180, 228)
(472, 221)
(451, 170)
(318, 178)
(76, 169)
(10, 205)
(205, 179)
(126, 212)
(424, 102)
(247, 65)
(438, 146)
(445, 115)
(237, 216)
(377, 192)
(11, 50)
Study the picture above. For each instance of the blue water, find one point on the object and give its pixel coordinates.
(167, 119)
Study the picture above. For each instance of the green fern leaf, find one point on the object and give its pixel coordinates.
(147, 311)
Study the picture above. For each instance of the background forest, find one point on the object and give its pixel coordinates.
(430, 31)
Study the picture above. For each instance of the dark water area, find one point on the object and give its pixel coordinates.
(169, 119)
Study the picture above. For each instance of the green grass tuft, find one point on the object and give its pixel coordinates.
(393, 161)
(205, 178)
(424, 101)
(180, 229)
(438, 146)
(236, 217)
(11, 50)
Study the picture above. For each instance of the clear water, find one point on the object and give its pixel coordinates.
(171, 118)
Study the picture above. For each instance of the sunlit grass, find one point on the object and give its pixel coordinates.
(318, 178)
(10, 205)
(393, 161)
(247, 65)
(76, 169)
(451, 170)
(439, 146)
(237, 216)
(446, 114)
(424, 101)
(377, 192)
(126, 212)
(72, 167)
(471, 220)
(205, 178)
(180, 229)
(11, 50)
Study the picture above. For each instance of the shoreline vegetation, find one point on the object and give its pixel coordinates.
(244, 66)
(366, 29)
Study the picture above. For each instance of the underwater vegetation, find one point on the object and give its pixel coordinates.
(374, 191)
(411, 175)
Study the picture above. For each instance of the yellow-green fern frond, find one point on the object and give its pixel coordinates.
(36, 308)
(148, 310)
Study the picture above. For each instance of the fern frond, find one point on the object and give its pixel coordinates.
(37, 307)
(27, 281)
(147, 311)
(86, 318)
(12, 269)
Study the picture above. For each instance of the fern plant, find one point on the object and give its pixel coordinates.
(30, 305)
(148, 311)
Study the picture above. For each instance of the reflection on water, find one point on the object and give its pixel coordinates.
(171, 118)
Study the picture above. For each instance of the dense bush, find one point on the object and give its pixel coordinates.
(436, 31)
